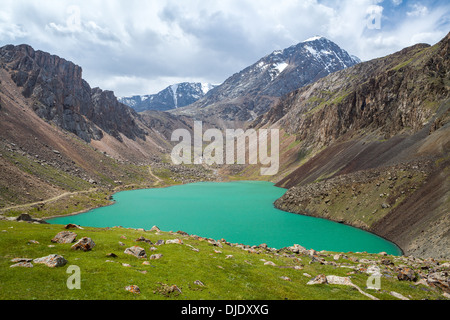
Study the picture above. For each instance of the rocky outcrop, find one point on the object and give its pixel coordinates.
(61, 96)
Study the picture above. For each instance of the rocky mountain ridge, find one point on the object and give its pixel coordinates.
(252, 91)
(357, 124)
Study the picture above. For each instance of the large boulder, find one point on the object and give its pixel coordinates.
(52, 261)
(64, 237)
(84, 244)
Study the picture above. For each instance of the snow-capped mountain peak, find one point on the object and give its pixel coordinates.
(174, 96)
(314, 38)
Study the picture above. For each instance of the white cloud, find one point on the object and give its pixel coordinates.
(418, 10)
(140, 47)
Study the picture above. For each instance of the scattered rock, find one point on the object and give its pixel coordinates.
(85, 244)
(174, 241)
(72, 226)
(156, 256)
(387, 262)
(337, 257)
(296, 248)
(142, 239)
(320, 279)
(285, 278)
(167, 290)
(112, 255)
(133, 289)
(64, 237)
(269, 263)
(199, 283)
(317, 259)
(440, 280)
(155, 228)
(345, 281)
(16, 260)
(398, 295)
(52, 261)
(159, 243)
(33, 242)
(22, 264)
(406, 274)
(136, 251)
(27, 218)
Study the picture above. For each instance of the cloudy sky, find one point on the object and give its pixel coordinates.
(142, 46)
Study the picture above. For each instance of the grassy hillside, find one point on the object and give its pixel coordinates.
(225, 271)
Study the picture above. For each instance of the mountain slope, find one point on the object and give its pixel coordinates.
(59, 136)
(252, 91)
(368, 146)
(60, 95)
(174, 96)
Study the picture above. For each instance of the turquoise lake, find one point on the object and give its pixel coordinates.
(240, 212)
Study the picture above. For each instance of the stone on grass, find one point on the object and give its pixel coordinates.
(72, 226)
(85, 244)
(199, 283)
(142, 239)
(133, 289)
(23, 265)
(22, 262)
(345, 281)
(64, 237)
(320, 279)
(156, 256)
(155, 228)
(136, 251)
(52, 261)
(174, 241)
(16, 260)
(398, 295)
(406, 274)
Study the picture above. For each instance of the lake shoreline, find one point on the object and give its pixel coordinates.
(253, 233)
